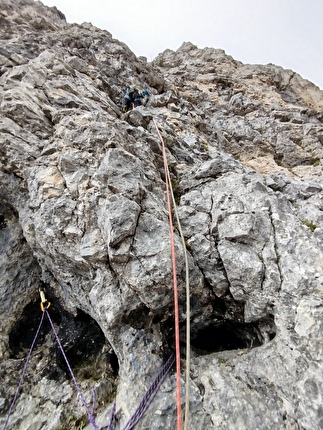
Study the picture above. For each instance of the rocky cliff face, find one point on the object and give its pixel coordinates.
(84, 216)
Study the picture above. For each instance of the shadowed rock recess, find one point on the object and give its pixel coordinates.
(83, 215)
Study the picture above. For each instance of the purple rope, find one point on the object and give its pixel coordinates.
(150, 394)
(112, 417)
(23, 372)
(89, 414)
(144, 404)
(93, 401)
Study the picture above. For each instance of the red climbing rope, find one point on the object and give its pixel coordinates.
(177, 344)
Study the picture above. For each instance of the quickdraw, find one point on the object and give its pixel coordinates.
(44, 303)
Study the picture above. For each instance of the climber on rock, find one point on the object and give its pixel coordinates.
(134, 96)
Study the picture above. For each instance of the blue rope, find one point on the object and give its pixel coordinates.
(23, 372)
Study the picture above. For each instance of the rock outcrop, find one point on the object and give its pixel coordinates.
(84, 217)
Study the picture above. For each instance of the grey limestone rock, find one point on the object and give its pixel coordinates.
(83, 216)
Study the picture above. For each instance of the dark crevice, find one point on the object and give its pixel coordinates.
(225, 336)
(138, 318)
(89, 353)
(271, 217)
(220, 329)
(81, 338)
(7, 213)
(24, 331)
(3, 223)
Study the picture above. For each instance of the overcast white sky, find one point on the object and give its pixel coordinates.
(288, 33)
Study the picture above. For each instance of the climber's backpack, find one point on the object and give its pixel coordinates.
(134, 92)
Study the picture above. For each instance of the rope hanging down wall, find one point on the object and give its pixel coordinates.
(169, 192)
(152, 390)
(44, 305)
(23, 373)
(139, 412)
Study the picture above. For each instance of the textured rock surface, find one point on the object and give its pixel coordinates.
(84, 215)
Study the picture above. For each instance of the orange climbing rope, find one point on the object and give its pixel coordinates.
(177, 344)
(188, 312)
(45, 305)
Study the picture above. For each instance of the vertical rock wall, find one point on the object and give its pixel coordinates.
(84, 217)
